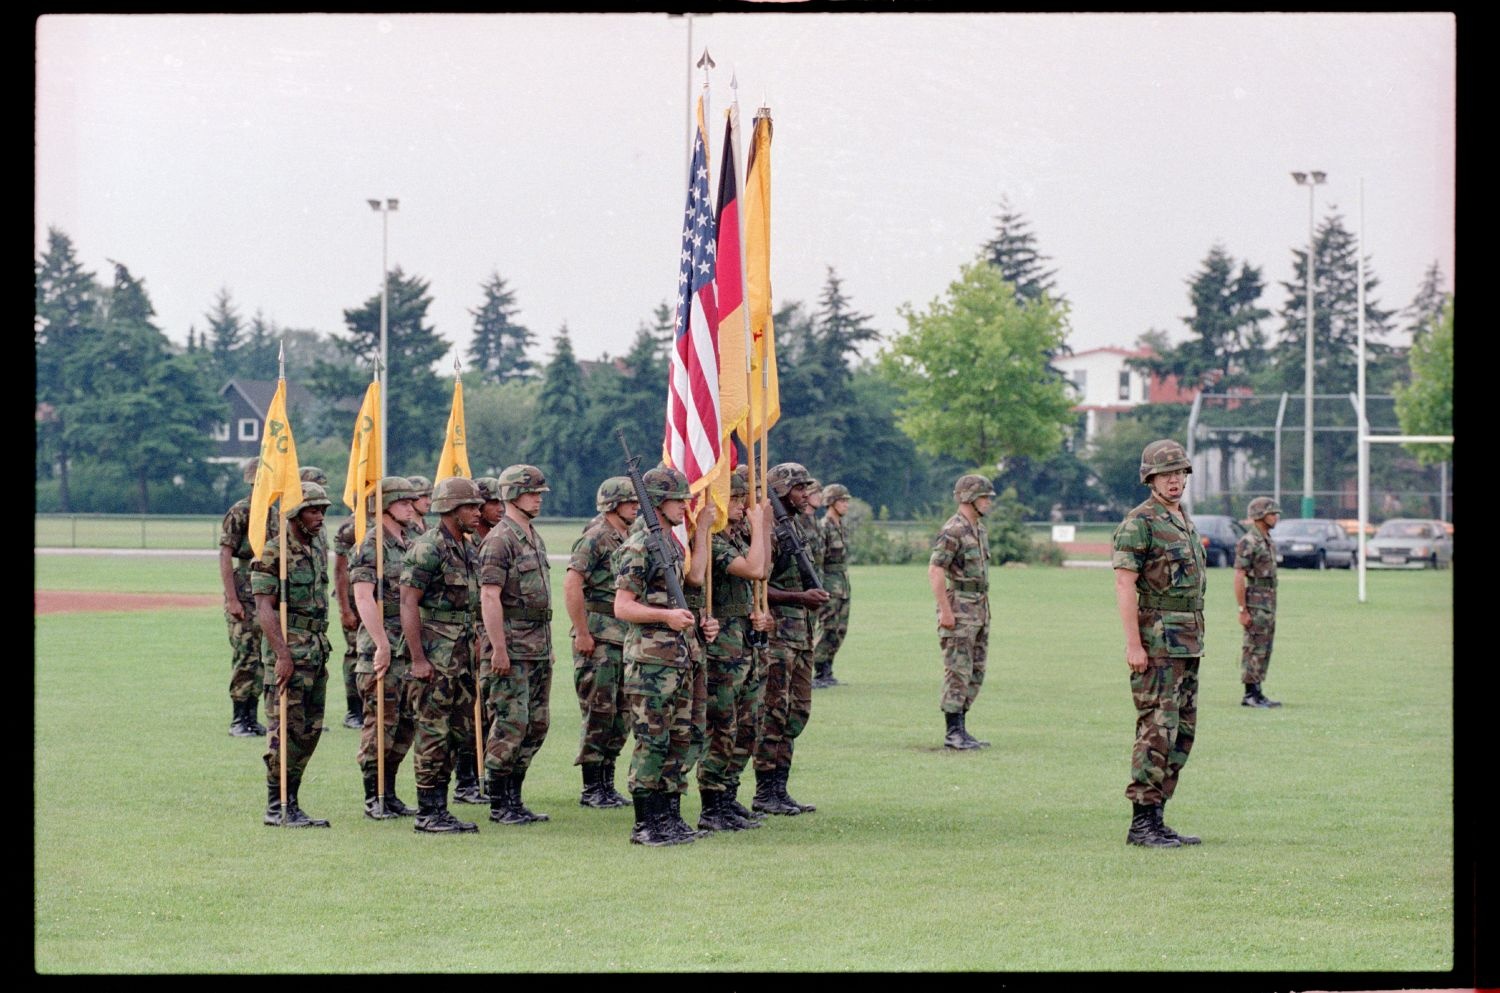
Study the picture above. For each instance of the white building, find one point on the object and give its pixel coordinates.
(1103, 385)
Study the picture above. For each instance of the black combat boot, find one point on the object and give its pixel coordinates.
(516, 780)
(1146, 830)
(1255, 698)
(256, 728)
(1182, 839)
(611, 796)
(732, 803)
(375, 805)
(767, 798)
(672, 829)
(820, 675)
(955, 738)
(294, 814)
(647, 829)
(239, 724)
(463, 827)
(592, 795)
(716, 815)
(354, 717)
(1265, 701)
(963, 728)
(503, 806)
(432, 813)
(393, 803)
(781, 777)
(829, 679)
(674, 805)
(466, 779)
(273, 805)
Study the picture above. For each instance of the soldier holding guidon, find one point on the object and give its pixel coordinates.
(246, 674)
(958, 571)
(1255, 590)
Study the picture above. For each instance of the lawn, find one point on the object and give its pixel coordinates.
(1327, 824)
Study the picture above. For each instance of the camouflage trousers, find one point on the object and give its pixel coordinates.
(517, 703)
(1166, 708)
(833, 625)
(469, 752)
(733, 688)
(400, 693)
(443, 710)
(246, 674)
(1255, 651)
(351, 655)
(966, 650)
(787, 704)
(667, 712)
(304, 704)
(599, 680)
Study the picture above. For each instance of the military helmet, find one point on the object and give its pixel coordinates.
(392, 488)
(313, 495)
(519, 478)
(614, 491)
(666, 483)
(1261, 506)
(249, 468)
(1163, 456)
(421, 486)
(739, 481)
(489, 487)
(834, 492)
(785, 475)
(971, 487)
(455, 492)
(312, 474)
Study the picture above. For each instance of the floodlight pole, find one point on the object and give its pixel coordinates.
(384, 210)
(1280, 419)
(1309, 505)
(1363, 450)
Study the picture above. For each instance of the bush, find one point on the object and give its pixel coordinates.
(873, 543)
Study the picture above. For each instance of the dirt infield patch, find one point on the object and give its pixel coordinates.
(73, 601)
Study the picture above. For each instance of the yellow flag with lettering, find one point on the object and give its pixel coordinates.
(764, 402)
(364, 460)
(278, 476)
(455, 458)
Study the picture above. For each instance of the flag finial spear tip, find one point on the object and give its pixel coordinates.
(706, 61)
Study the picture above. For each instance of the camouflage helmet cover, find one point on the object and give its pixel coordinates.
(249, 468)
(313, 495)
(521, 478)
(783, 476)
(614, 491)
(971, 486)
(312, 474)
(421, 486)
(489, 487)
(665, 483)
(455, 492)
(834, 492)
(739, 481)
(1165, 455)
(1261, 506)
(392, 488)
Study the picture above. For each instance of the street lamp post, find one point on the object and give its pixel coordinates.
(1311, 181)
(384, 210)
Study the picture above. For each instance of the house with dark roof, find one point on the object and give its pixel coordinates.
(248, 400)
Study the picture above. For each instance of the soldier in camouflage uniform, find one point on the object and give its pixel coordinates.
(494, 507)
(1255, 590)
(789, 665)
(959, 573)
(343, 546)
(297, 662)
(664, 674)
(467, 777)
(422, 502)
(381, 649)
(246, 674)
(598, 642)
(516, 602)
(1159, 565)
(833, 618)
(741, 555)
(439, 599)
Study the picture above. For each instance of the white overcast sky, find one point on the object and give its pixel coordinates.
(239, 151)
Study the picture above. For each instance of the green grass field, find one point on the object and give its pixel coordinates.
(1327, 824)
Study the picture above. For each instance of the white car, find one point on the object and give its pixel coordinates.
(1410, 543)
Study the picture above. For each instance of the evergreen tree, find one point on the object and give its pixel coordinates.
(1427, 306)
(498, 347)
(1013, 250)
(636, 398)
(225, 334)
(259, 353)
(67, 311)
(559, 434)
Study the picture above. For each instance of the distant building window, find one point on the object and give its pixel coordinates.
(1080, 380)
(249, 429)
(1125, 384)
(221, 432)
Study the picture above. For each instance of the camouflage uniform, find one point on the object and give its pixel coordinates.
(733, 682)
(518, 700)
(343, 548)
(1256, 555)
(833, 618)
(598, 678)
(962, 551)
(246, 674)
(444, 569)
(400, 690)
(1168, 558)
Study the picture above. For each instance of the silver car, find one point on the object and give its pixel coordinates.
(1409, 543)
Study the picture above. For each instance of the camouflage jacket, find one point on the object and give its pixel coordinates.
(637, 572)
(343, 545)
(446, 571)
(419, 525)
(306, 580)
(1169, 562)
(962, 551)
(362, 570)
(234, 534)
(835, 557)
(793, 622)
(517, 563)
(1256, 555)
(732, 595)
(813, 535)
(591, 559)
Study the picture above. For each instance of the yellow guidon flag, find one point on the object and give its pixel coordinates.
(365, 460)
(455, 458)
(763, 408)
(278, 476)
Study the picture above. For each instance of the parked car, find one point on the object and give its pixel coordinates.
(1351, 525)
(1410, 543)
(1219, 535)
(1316, 542)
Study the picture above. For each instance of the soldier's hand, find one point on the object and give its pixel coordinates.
(348, 618)
(235, 608)
(500, 662)
(422, 670)
(710, 628)
(1136, 659)
(946, 620)
(283, 671)
(1244, 617)
(382, 660)
(761, 620)
(583, 642)
(815, 598)
(679, 619)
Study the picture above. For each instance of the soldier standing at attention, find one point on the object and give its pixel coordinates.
(1255, 591)
(343, 545)
(741, 554)
(382, 652)
(1159, 583)
(439, 597)
(833, 619)
(489, 514)
(789, 666)
(959, 573)
(298, 662)
(599, 641)
(466, 776)
(246, 674)
(422, 502)
(664, 676)
(515, 595)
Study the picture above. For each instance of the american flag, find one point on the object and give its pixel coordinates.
(693, 435)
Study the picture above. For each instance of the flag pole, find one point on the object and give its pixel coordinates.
(706, 62)
(745, 309)
(765, 387)
(474, 655)
(380, 603)
(286, 535)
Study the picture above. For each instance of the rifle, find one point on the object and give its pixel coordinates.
(788, 537)
(656, 543)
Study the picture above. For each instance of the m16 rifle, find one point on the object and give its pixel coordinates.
(789, 538)
(656, 539)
